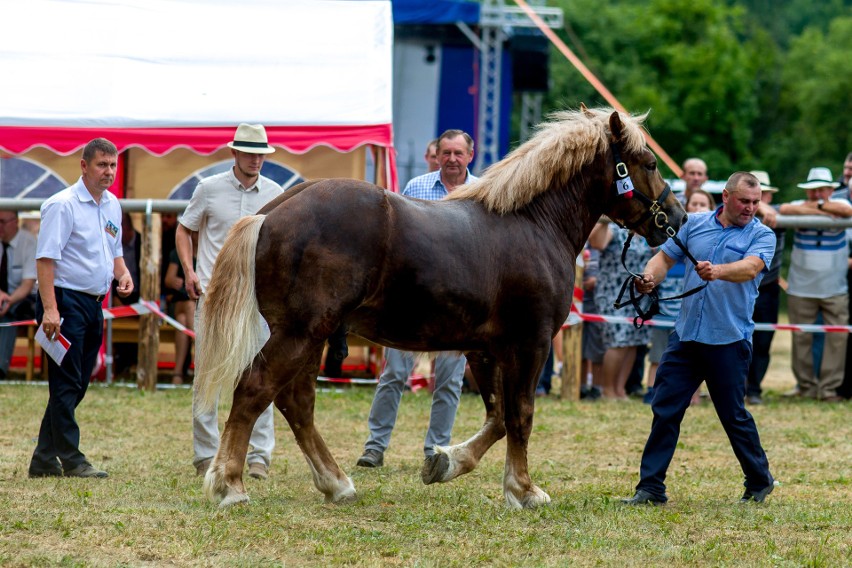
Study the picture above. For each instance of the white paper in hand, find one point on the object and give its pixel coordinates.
(56, 348)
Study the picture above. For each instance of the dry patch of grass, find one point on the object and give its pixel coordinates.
(585, 455)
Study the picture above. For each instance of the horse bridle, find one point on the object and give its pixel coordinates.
(623, 187)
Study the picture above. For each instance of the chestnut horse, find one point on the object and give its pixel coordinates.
(489, 272)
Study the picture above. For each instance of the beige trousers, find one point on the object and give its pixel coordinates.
(835, 311)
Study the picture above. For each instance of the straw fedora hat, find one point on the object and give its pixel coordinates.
(251, 138)
(819, 177)
(763, 178)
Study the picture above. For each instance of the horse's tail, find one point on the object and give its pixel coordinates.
(231, 330)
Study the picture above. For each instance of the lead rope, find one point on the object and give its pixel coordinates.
(653, 298)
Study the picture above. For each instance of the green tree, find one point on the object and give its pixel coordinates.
(816, 86)
(685, 60)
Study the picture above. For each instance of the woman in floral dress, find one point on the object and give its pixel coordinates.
(619, 339)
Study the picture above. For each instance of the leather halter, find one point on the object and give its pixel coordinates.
(623, 186)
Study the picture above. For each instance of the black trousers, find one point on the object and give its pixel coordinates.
(82, 325)
(683, 366)
(845, 389)
(765, 311)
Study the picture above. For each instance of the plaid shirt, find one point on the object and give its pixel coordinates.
(429, 186)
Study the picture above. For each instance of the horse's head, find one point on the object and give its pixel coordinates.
(638, 197)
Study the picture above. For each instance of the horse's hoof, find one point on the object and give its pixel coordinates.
(344, 494)
(346, 497)
(234, 499)
(435, 468)
(534, 498)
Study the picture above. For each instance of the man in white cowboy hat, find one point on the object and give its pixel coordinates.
(817, 285)
(769, 293)
(217, 203)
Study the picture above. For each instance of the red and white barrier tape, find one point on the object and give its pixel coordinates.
(139, 308)
(807, 328)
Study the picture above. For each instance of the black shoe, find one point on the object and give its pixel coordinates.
(642, 497)
(759, 496)
(371, 458)
(38, 468)
(38, 472)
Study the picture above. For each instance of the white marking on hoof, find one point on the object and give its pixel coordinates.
(533, 498)
(345, 494)
(233, 499)
(452, 453)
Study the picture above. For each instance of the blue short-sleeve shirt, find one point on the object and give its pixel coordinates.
(721, 313)
(82, 237)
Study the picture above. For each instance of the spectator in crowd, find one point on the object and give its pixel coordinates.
(817, 285)
(78, 255)
(168, 228)
(699, 202)
(592, 346)
(712, 337)
(769, 293)
(842, 192)
(431, 156)
(17, 279)
(184, 311)
(455, 153)
(131, 246)
(217, 203)
(619, 340)
(695, 175)
(126, 355)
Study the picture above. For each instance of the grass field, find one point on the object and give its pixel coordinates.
(151, 512)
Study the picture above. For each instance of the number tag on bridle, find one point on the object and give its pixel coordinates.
(624, 186)
(623, 183)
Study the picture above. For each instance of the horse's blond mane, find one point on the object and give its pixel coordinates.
(560, 147)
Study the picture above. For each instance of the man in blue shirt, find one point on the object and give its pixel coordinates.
(78, 255)
(712, 336)
(455, 153)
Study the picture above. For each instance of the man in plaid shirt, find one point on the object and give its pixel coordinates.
(455, 153)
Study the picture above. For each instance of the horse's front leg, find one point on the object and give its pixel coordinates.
(224, 480)
(519, 404)
(450, 462)
(296, 403)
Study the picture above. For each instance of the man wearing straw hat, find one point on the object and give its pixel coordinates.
(217, 203)
(817, 284)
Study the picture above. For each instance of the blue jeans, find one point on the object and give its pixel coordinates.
(449, 372)
(724, 368)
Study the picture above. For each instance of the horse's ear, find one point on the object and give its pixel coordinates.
(616, 127)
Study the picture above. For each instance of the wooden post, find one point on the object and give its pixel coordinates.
(572, 352)
(149, 289)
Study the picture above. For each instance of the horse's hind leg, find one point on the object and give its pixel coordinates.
(450, 462)
(224, 480)
(296, 403)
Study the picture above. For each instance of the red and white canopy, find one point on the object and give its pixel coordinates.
(162, 74)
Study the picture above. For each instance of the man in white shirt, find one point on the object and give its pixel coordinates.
(217, 203)
(816, 284)
(77, 256)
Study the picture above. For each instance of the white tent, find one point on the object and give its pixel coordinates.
(166, 74)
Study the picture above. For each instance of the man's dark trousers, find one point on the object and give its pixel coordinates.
(765, 311)
(82, 325)
(682, 368)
